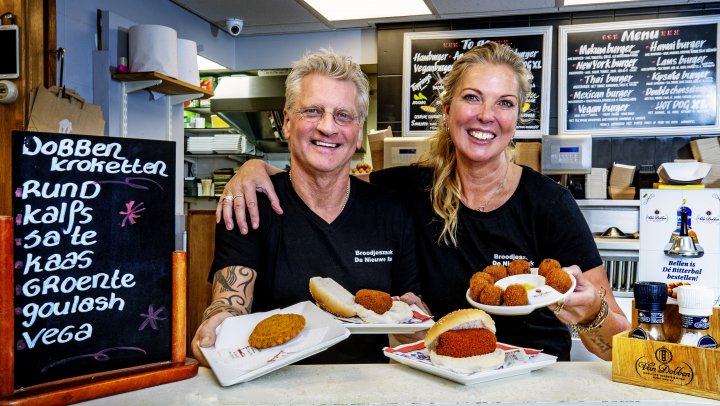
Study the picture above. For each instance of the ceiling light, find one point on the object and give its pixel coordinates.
(206, 64)
(339, 10)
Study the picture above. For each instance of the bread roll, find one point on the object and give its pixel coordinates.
(332, 297)
(399, 312)
(459, 320)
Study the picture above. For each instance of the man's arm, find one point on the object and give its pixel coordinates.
(232, 289)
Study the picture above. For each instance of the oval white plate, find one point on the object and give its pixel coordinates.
(540, 295)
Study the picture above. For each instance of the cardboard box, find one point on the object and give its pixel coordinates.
(528, 154)
(621, 175)
(621, 193)
(377, 149)
(666, 365)
(708, 150)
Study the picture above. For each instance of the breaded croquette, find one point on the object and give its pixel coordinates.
(559, 280)
(547, 265)
(375, 300)
(276, 329)
(518, 266)
(466, 342)
(491, 295)
(478, 282)
(515, 295)
(497, 271)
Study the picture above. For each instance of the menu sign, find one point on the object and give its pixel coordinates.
(428, 57)
(94, 237)
(644, 77)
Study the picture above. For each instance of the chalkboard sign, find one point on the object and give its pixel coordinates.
(428, 56)
(650, 77)
(94, 240)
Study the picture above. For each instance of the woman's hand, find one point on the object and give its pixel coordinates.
(253, 176)
(583, 304)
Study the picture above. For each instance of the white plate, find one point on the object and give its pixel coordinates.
(517, 362)
(540, 296)
(233, 361)
(357, 326)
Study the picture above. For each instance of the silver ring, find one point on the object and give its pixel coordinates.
(239, 195)
(228, 198)
(558, 308)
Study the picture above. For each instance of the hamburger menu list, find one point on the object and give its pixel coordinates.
(642, 78)
(94, 236)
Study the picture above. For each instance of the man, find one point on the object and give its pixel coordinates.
(334, 226)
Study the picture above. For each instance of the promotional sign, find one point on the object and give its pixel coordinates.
(428, 57)
(93, 246)
(651, 77)
(660, 223)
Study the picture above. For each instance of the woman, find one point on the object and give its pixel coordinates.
(473, 208)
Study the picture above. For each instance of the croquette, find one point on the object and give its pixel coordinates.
(497, 271)
(518, 266)
(375, 300)
(478, 282)
(559, 280)
(547, 265)
(491, 295)
(466, 343)
(515, 295)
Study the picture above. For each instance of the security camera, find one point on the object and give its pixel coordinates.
(234, 26)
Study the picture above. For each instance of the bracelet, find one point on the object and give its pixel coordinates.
(599, 319)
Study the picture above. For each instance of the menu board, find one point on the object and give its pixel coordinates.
(428, 56)
(654, 77)
(94, 237)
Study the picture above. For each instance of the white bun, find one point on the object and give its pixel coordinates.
(398, 313)
(476, 363)
(332, 297)
(458, 320)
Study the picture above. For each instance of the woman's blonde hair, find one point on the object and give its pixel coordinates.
(446, 191)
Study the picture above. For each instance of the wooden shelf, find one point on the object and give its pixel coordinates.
(167, 84)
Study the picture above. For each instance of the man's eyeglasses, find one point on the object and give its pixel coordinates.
(314, 114)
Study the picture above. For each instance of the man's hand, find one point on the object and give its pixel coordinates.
(205, 335)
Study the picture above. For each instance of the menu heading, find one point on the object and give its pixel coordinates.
(651, 77)
(429, 56)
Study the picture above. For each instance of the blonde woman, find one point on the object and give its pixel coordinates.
(473, 207)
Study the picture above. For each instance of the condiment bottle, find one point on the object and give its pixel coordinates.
(695, 305)
(650, 301)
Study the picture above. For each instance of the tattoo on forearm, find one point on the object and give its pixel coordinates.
(237, 279)
(600, 342)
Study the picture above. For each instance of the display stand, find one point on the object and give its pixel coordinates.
(90, 386)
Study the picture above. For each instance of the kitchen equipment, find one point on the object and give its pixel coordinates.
(614, 232)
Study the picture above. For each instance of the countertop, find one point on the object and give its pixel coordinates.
(568, 383)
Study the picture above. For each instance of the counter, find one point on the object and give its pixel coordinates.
(563, 382)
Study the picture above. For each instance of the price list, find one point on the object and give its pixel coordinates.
(641, 78)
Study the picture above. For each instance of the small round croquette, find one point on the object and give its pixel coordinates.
(559, 280)
(466, 343)
(547, 265)
(491, 295)
(518, 267)
(497, 271)
(515, 295)
(477, 283)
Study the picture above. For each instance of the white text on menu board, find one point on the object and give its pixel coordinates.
(73, 220)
